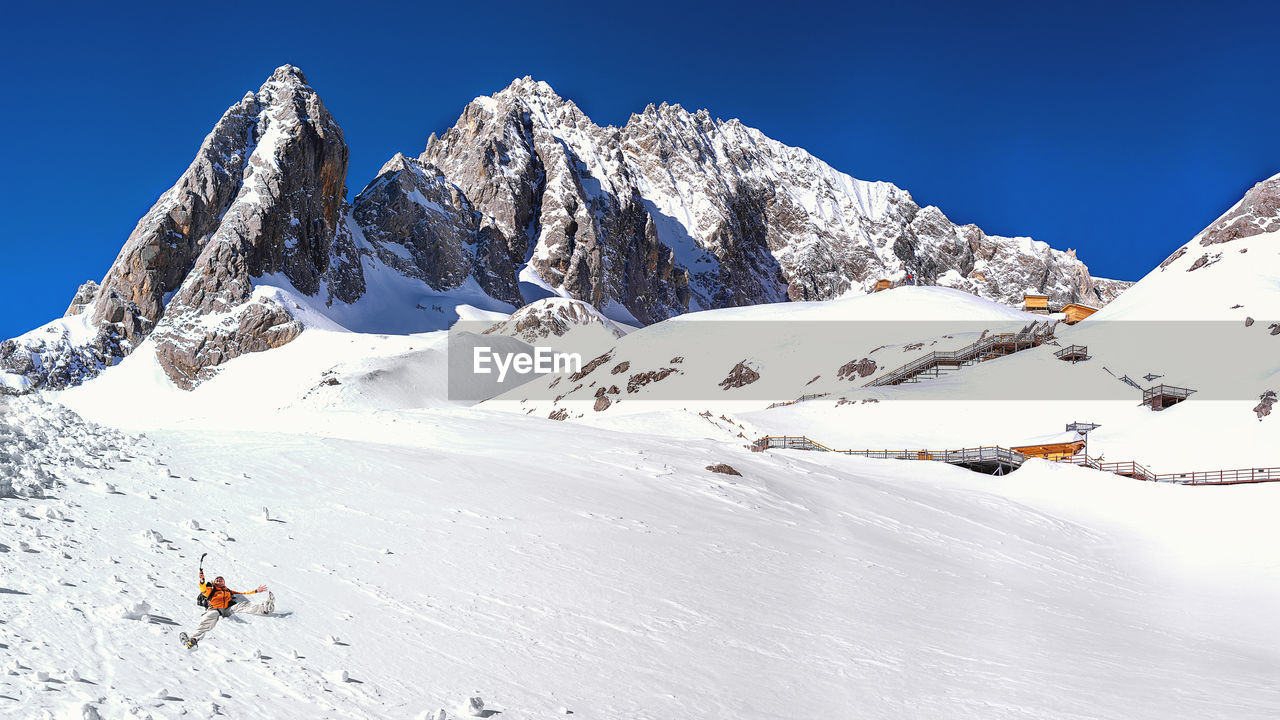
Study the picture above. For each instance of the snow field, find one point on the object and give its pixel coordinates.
(611, 574)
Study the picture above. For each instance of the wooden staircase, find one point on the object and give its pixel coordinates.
(986, 348)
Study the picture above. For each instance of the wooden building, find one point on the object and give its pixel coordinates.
(1035, 303)
(883, 285)
(1054, 447)
(1076, 312)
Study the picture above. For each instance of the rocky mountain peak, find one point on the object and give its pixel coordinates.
(287, 74)
(265, 195)
(529, 89)
(397, 163)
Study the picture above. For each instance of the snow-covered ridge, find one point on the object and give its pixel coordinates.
(1228, 271)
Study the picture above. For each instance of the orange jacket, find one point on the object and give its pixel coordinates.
(220, 599)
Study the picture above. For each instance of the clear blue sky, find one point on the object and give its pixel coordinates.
(1119, 129)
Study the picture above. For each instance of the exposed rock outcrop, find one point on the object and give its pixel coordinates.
(552, 318)
(1265, 403)
(741, 375)
(866, 367)
(286, 219)
(51, 358)
(84, 298)
(423, 226)
(265, 196)
(1257, 212)
(724, 469)
(558, 189)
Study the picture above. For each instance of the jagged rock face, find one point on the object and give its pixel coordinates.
(557, 187)
(784, 222)
(265, 195)
(287, 218)
(85, 296)
(167, 240)
(423, 226)
(679, 211)
(488, 154)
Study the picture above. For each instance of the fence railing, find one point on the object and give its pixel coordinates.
(1223, 477)
(800, 399)
(998, 454)
(1165, 391)
(985, 453)
(1128, 468)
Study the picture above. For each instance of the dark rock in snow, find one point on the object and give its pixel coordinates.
(739, 376)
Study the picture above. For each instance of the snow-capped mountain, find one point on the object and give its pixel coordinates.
(716, 212)
(264, 196)
(524, 198)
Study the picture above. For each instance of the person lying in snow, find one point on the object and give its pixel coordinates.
(222, 603)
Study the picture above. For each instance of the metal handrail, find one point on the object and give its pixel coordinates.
(1223, 477)
(800, 399)
(970, 352)
(1167, 391)
(985, 452)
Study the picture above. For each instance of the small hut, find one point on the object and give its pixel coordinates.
(1056, 447)
(883, 284)
(1035, 303)
(1076, 312)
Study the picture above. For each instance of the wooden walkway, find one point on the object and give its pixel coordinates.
(993, 459)
(800, 399)
(987, 348)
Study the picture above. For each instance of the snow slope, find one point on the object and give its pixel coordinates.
(611, 575)
(1229, 271)
(1151, 336)
(795, 348)
(424, 552)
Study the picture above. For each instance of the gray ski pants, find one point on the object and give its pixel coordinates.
(212, 616)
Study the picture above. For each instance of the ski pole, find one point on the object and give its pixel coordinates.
(202, 555)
